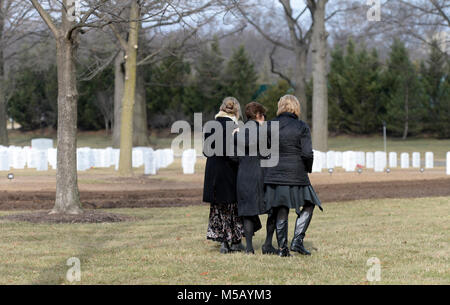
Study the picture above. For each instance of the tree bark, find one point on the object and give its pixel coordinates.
(119, 80)
(126, 128)
(406, 126)
(140, 130)
(67, 194)
(300, 82)
(320, 90)
(3, 117)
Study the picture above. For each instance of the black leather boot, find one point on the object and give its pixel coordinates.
(282, 235)
(301, 225)
(225, 248)
(237, 247)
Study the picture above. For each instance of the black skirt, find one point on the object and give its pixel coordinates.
(291, 196)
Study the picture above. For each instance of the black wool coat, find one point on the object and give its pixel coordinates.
(295, 153)
(219, 186)
(250, 178)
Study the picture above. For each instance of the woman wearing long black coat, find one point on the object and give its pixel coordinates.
(250, 179)
(287, 184)
(219, 189)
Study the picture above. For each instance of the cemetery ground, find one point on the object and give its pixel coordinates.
(168, 246)
(401, 218)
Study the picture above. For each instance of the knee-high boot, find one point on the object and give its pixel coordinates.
(282, 236)
(301, 225)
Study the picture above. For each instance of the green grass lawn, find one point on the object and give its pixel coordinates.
(168, 246)
(85, 139)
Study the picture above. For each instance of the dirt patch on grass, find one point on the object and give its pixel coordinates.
(44, 200)
(88, 216)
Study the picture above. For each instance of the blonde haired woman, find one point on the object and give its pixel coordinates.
(219, 187)
(287, 184)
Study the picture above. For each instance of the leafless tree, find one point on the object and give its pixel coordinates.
(66, 31)
(15, 27)
(302, 26)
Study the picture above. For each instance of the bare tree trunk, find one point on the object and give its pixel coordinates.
(300, 83)
(119, 80)
(67, 194)
(320, 90)
(406, 127)
(126, 128)
(3, 118)
(140, 130)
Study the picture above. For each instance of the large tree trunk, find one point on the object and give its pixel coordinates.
(67, 194)
(126, 134)
(300, 83)
(3, 117)
(119, 79)
(320, 90)
(140, 130)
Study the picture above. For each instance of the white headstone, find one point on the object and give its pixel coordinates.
(42, 160)
(170, 156)
(416, 159)
(429, 160)
(52, 157)
(43, 144)
(317, 163)
(448, 163)
(392, 159)
(149, 161)
(349, 161)
(380, 161)
(116, 153)
(83, 158)
(138, 157)
(4, 160)
(338, 159)
(109, 156)
(331, 159)
(404, 160)
(370, 160)
(324, 159)
(360, 158)
(17, 158)
(188, 160)
(33, 158)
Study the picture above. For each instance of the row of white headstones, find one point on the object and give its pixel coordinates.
(378, 161)
(40, 159)
(41, 154)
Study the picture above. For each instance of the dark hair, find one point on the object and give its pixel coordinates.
(252, 109)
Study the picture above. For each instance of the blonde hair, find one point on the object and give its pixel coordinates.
(231, 106)
(289, 103)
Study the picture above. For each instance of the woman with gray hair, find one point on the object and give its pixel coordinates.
(219, 187)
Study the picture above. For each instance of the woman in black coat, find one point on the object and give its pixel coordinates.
(287, 184)
(219, 189)
(250, 178)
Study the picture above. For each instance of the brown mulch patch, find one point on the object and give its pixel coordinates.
(92, 200)
(88, 216)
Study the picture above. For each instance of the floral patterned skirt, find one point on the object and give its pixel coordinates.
(224, 224)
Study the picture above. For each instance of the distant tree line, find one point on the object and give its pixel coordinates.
(413, 98)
